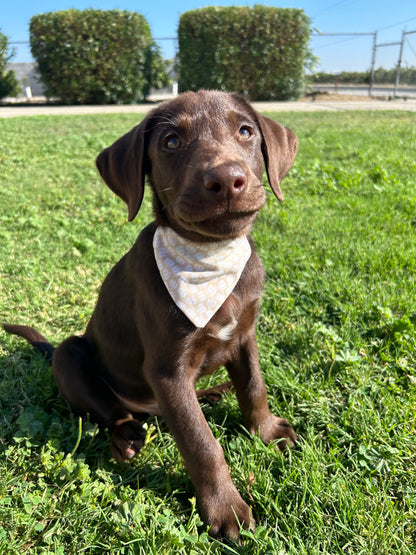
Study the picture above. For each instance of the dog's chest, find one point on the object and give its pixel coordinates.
(214, 346)
(225, 332)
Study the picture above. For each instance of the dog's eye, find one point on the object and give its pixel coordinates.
(172, 142)
(245, 132)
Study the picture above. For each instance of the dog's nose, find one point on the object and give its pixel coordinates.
(225, 180)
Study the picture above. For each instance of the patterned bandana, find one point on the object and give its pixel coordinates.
(199, 276)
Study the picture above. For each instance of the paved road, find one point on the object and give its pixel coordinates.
(362, 90)
(300, 106)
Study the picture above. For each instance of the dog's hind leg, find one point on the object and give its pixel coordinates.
(213, 393)
(76, 371)
(78, 375)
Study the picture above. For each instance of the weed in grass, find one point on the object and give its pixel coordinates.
(337, 338)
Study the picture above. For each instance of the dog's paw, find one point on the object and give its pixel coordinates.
(127, 438)
(279, 430)
(225, 513)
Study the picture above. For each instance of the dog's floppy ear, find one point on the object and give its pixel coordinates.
(122, 166)
(279, 147)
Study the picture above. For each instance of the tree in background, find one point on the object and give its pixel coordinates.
(9, 85)
(96, 56)
(155, 69)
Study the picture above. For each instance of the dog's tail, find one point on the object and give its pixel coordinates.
(34, 338)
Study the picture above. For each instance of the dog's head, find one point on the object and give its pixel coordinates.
(204, 155)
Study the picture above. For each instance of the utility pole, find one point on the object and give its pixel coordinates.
(373, 65)
(399, 63)
(370, 88)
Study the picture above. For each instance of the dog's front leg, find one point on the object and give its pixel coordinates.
(251, 392)
(219, 502)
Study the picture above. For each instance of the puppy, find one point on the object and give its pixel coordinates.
(184, 300)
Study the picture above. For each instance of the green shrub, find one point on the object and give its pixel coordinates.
(9, 85)
(260, 52)
(94, 56)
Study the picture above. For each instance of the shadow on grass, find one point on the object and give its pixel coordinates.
(36, 420)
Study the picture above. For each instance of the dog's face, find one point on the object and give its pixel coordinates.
(204, 154)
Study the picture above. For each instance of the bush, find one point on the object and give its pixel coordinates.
(260, 52)
(94, 56)
(9, 85)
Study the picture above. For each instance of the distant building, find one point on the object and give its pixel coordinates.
(27, 74)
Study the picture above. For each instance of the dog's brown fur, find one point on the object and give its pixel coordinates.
(204, 155)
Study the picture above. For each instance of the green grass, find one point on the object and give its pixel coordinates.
(337, 336)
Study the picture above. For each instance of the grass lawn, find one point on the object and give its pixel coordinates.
(337, 337)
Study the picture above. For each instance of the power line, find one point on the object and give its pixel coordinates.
(334, 43)
(396, 24)
(350, 36)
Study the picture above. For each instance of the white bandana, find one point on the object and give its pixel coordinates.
(199, 276)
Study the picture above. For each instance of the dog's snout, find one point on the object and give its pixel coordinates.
(225, 180)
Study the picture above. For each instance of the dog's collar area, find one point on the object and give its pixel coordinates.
(199, 276)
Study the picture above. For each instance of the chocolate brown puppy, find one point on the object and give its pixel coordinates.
(184, 300)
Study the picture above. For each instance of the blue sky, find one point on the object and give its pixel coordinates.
(336, 53)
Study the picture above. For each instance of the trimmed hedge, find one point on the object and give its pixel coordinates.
(96, 56)
(260, 52)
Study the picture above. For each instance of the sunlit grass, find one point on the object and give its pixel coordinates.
(337, 336)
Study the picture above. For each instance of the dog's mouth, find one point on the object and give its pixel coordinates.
(222, 226)
(202, 210)
(202, 217)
